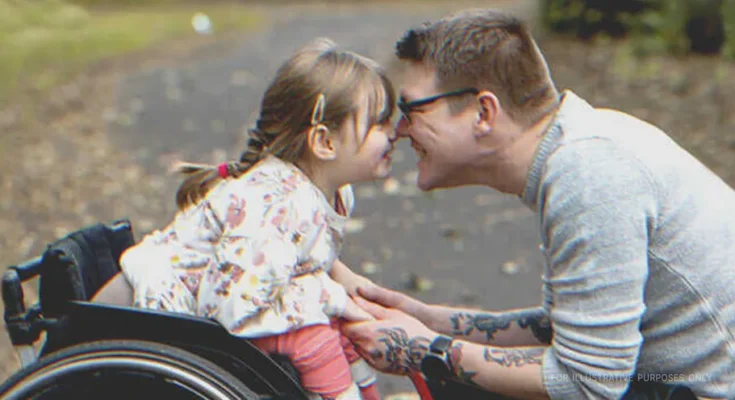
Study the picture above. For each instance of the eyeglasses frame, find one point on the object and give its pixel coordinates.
(408, 107)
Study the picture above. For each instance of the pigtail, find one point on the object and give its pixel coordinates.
(201, 178)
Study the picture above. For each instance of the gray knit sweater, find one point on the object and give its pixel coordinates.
(639, 239)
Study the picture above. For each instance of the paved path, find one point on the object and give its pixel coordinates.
(470, 246)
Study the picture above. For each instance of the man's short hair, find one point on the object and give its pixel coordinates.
(488, 50)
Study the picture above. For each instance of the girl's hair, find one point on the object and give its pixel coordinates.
(319, 85)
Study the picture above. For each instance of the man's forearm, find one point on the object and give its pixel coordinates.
(524, 327)
(508, 371)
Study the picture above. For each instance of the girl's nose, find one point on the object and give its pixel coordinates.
(392, 135)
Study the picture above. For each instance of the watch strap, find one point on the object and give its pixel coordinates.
(441, 345)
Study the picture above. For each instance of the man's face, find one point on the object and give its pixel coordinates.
(444, 142)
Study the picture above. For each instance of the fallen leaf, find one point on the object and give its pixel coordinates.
(354, 225)
(391, 186)
(450, 232)
(419, 283)
(369, 267)
(510, 268)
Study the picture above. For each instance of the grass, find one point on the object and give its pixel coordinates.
(45, 42)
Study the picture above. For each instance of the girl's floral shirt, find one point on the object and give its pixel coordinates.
(254, 255)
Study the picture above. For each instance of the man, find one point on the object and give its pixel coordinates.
(639, 237)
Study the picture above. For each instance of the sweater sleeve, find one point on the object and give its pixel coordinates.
(597, 208)
(333, 296)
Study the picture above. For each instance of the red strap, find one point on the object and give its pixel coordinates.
(421, 387)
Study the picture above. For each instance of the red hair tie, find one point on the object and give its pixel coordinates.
(222, 170)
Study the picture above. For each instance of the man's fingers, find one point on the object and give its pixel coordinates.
(381, 295)
(374, 309)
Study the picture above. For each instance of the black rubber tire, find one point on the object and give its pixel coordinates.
(113, 369)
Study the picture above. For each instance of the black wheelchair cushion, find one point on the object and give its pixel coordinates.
(284, 362)
(76, 266)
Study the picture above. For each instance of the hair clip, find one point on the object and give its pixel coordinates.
(318, 114)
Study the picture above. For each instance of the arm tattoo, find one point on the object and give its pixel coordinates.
(464, 323)
(514, 357)
(403, 354)
(540, 327)
(455, 359)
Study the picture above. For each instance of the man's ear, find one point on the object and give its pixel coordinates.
(488, 106)
(321, 143)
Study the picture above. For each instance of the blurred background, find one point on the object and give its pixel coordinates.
(98, 97)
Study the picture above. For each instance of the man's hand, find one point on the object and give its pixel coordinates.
(395, 343)
(393, 299)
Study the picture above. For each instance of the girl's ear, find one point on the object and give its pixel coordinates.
(321, 143)
(488, 106)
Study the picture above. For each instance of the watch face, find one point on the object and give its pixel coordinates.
(434, 367)
(441, 344)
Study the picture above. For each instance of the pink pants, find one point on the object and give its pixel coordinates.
(322, 355)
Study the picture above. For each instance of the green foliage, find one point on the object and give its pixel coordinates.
(659, 31)
(728, 12)
(653, 26)
(589, 18)
(44, 42)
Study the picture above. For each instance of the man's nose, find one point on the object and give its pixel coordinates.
(402, 127)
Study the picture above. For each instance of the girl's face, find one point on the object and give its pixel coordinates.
(365, 151)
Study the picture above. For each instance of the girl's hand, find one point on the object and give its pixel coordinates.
(355, 313)
(351, 281)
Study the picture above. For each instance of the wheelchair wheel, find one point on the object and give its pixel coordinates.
(124, 370)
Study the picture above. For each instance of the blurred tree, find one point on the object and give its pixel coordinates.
(705, 27)
(695, 25)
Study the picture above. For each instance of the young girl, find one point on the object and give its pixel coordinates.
(254, 242)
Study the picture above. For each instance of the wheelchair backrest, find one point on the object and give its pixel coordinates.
(76, 266)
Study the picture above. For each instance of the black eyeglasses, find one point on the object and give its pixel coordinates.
(407, 107)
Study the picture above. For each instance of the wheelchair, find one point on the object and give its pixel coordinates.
(98, 350)
(95, 350)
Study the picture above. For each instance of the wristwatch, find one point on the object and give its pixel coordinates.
(436, 364)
